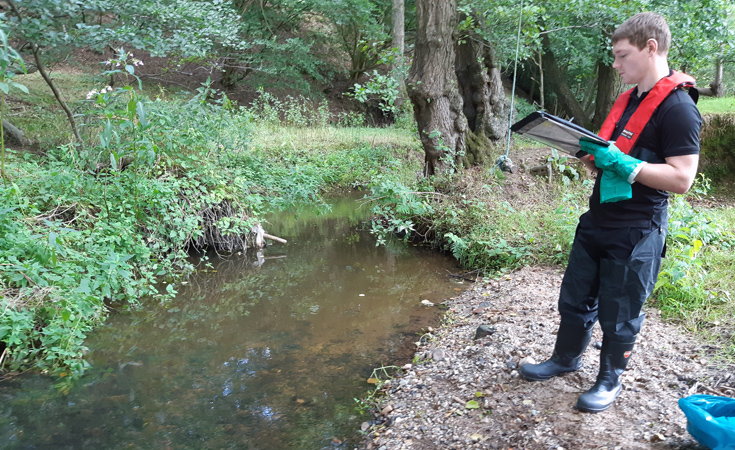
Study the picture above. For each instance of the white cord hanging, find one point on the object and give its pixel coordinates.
(504, 161)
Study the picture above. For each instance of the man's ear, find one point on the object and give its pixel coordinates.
(652, 46)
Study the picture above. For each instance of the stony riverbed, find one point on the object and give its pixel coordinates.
(426, 407)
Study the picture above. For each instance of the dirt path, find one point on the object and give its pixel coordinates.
(426, 409)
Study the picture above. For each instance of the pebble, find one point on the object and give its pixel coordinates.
(438, 355)
(484, 330)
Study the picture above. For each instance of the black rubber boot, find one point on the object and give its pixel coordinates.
(571, 341)
(614, 358)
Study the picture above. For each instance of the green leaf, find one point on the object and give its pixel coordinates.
(130, 69)
(83, 287)
(472, 404)
(5, 87)
(67, 315)
(19, 86)
(141, 115)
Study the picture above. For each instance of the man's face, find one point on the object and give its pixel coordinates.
(631, 62)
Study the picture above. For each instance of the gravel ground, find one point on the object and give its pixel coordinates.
(426, 407)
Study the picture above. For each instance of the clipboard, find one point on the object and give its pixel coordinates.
(555, 132)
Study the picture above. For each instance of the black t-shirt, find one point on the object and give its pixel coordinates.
(673, 130)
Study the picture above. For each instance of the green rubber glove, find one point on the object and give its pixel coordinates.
(610, 158)
(613, 188)
(618, 170)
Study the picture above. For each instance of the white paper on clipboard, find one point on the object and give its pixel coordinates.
(554, 132)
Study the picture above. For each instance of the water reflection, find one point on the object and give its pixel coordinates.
(255, 353)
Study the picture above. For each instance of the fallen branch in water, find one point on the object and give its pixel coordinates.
(275, 238)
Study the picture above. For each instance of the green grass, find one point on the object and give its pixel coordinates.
(719, 280)
(712, 105)
(272, 137)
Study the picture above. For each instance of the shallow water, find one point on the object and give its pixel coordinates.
(254, 353)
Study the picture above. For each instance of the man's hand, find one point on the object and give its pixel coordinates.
(617, 172)
(610, 158)
(589, 165)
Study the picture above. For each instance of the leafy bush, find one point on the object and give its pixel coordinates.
(482, 229)
(681, 288)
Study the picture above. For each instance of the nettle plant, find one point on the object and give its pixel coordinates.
(124, 112)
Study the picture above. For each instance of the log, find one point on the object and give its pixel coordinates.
(16, 133)
(275, 238)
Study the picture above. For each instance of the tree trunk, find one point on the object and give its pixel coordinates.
(399, 27)
(556, 79)
(608, 85)
(542, 93)
(715, 87)
(484, 102)
(717, 84)
(399, 43)
(432, 84)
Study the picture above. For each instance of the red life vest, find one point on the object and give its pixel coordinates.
(632, 131)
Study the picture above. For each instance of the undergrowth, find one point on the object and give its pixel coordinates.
(696, 284)
(472, 217)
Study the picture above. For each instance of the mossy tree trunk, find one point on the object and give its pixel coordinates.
(432, 85)
(484, 102)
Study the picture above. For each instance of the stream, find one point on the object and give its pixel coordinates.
(264, 352)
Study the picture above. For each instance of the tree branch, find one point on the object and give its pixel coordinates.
(49, 81)
(57, 94)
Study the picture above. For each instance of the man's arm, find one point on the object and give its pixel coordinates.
(676, 175)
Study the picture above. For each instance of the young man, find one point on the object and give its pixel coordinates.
(619, 243)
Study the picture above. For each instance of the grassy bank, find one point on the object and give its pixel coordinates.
(112, 223)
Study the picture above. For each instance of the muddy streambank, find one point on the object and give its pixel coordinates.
(426, 407)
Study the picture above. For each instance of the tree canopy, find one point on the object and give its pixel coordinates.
(564, 60)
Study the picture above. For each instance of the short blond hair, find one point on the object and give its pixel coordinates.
(642, 27)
